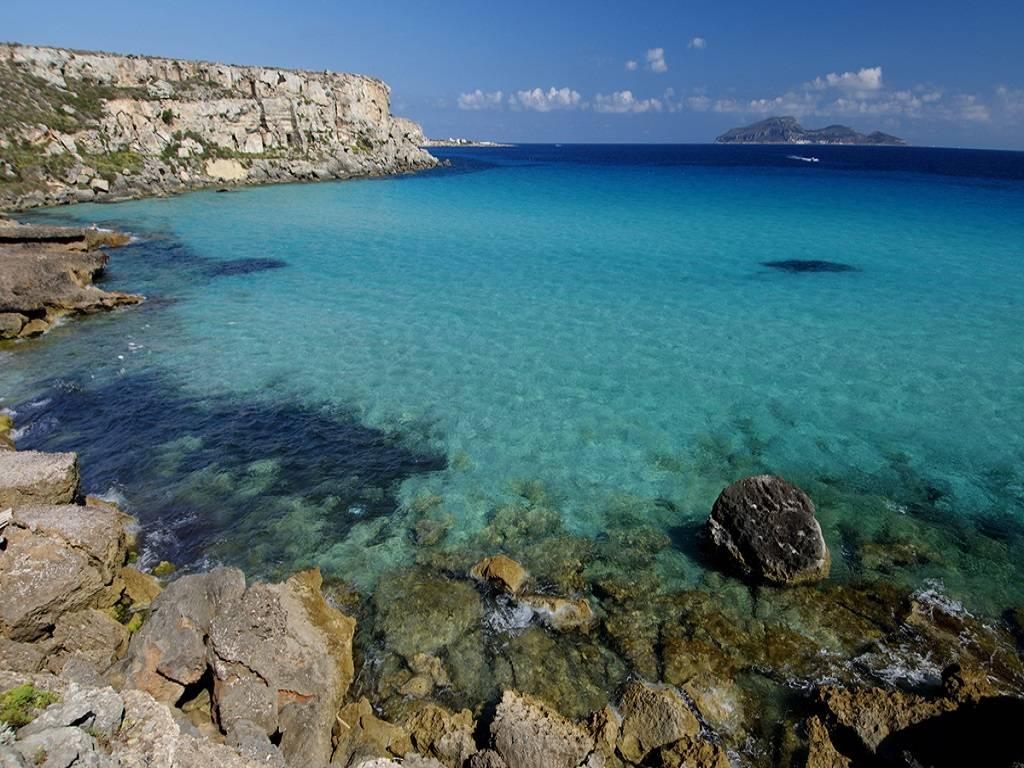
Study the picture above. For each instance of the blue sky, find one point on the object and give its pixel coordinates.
(948, 73)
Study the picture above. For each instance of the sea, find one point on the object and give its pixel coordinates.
(359, 375)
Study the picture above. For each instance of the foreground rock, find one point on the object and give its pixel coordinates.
(32, 478)
(527, 733)
(766, 526)
(277, 657)
(58, 560)
(46, 273)
(100, 126)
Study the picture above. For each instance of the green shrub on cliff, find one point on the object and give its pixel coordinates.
(19, 706)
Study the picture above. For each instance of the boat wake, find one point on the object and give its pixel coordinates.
(804, 159)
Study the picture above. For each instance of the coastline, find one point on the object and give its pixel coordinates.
(79, 126)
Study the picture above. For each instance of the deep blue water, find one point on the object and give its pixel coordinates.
(318, 367)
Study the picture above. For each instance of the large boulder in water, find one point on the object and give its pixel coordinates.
(766, 525)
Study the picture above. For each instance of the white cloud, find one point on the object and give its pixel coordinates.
(699, 103)
(624, 101)
(631, 65)
(1012, 100)
(698, 43)
(540, 100)
(866, 79)
(970, 108)
(656, 60)
(478, 100)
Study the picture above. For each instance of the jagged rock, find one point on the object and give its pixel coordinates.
(140, 588)
(653, 717)
(252, 741)
(22, 657)
(692, 752)
(767, 527)
(527, 733)
(169, 652)
(560, 613)
(360, 735)
(29, 478)
(821, 753)
(42, 280)
(151, 738)
(11, 758)
(6, 422)
(500, 570)
(443, 735)
(61, 748)
(98, 710)
(604, 726)
(486, 758)
(58, 559)
(91, 636)
(875, 713)
(284, 644)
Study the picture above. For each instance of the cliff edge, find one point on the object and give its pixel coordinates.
(78, 126)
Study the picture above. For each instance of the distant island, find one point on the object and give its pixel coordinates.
(786, 130)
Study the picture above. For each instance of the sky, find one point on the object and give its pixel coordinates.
(935, 73)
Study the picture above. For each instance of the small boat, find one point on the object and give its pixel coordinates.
(804, 159)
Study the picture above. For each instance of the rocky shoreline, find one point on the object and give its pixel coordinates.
(47, 273)
(79, 126)
(103, 664)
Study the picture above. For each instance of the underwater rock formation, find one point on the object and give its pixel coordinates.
(809, 265)
(767, 527)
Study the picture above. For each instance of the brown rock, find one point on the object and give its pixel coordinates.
(57, 560)
(440, 734)
(653, 717)
(169, 651)
(33, 478)
(821, 752)
(693, 752)
(875, 713)
(766, 526)
(140, 588)
(527, 733)
(91, 636)
(500, 570)
(285, 644)
(6, 428)
(359, 734)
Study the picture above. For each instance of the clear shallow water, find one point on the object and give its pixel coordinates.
(323, 370)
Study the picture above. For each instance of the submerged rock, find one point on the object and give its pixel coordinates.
(809, 265)
(767, 527)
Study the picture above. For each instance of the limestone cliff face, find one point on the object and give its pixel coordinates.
(81, 126)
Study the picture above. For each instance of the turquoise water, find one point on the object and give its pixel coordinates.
(591, 330)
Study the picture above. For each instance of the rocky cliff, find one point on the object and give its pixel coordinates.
(78, 126)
